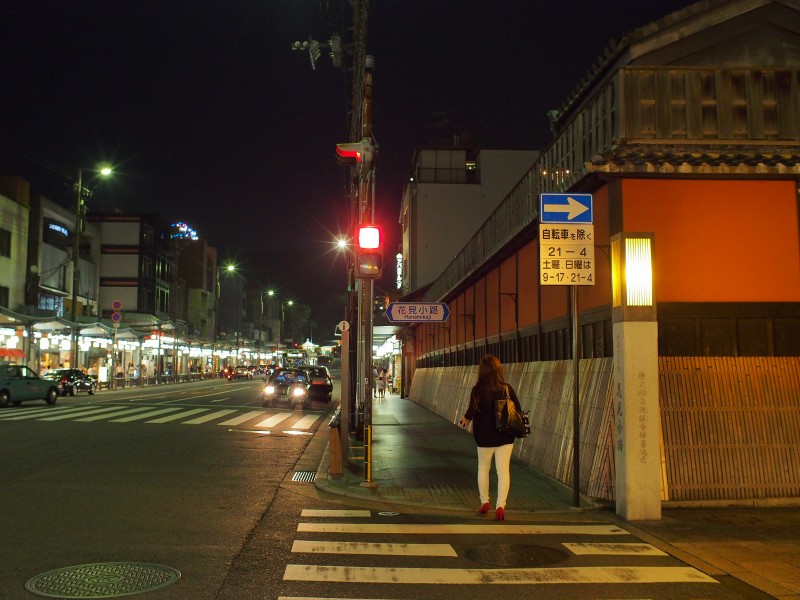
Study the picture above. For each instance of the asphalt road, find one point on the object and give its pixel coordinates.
(93, 480)
(198, 478)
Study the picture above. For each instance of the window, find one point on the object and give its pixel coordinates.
(4, 295)
(5, 242)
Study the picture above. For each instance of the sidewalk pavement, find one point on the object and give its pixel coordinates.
(423, 463)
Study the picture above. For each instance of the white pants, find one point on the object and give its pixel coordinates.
(502, 462)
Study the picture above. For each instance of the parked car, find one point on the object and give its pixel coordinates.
(18, 384)
(320, 383)
(71, 381)
(286, 386)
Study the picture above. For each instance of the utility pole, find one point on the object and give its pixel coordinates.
(76, 261)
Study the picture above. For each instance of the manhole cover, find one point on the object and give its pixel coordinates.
(102, 580)
(516, 555)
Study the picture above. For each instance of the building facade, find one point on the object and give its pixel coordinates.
(687, 129)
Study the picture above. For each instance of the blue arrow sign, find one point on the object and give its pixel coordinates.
(417, 311)
(566, 208)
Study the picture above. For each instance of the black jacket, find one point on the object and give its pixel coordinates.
(483, 423)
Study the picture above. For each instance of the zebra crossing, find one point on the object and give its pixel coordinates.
(159, 415)
(388, 555)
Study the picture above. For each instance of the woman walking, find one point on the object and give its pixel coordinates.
(489, 388)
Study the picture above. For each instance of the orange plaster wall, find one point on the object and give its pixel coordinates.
(719, 241)
(492, 279)
(508, 284)
(528, 284)
(480, 313)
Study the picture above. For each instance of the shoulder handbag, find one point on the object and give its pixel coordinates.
(510, 420)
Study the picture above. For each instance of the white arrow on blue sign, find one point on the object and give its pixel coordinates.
(566, 208)
(417, 311)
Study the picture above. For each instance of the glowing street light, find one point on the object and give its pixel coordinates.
(80, 222)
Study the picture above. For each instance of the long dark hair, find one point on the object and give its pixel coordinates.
(490, 376)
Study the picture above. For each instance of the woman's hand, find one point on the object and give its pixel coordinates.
(463, 422)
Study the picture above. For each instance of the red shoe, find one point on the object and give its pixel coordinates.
(500, 514)
(483, 509)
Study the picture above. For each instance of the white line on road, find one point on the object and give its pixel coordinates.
(376, 548)
(274, 420)
(311, 512)
(305, 422)
(496, 529)
(25, 413)
(146, 415)
(93, 410)
(117, 413)
(242, 418)
(179, 415)
(206, 418)
(593, 575)
(614, 549)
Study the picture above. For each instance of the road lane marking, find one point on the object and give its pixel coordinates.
(211, 417)
(24, 413)
(373, 548)
(93, 410)
(242, 418)
(180, 415)
(118, 413)
(517, 529)
(311, 512)
(614, 549)
(146, 415)
(274, 420)
(305, 422)
(592, 575)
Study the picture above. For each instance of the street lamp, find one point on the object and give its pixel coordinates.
(80, 221)
(229, 268)
(283, 304)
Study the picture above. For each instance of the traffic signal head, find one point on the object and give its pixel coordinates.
(369, 252)
(358, 154)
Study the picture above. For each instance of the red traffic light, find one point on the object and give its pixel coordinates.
(369, 252)
(369, 237)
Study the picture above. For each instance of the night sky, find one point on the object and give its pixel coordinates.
(208, 115)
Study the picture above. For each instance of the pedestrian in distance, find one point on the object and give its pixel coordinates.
(489, 388)
(381, 385)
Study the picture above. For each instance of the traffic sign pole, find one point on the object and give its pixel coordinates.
(566, 257)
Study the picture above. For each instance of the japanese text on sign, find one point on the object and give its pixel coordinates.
(566, 254)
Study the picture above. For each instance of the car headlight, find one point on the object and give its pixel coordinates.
(298, 391)
(269, 389)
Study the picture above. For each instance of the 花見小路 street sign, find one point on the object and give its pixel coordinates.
(417, 311)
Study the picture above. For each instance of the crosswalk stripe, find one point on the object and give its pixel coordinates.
(311, 512)
(614, 549)
(326, 598)
(26, 413)
(83, 411)
(274, 420)
(118, 413)
(377, 548)
(305, 422)
(592, 575)
(242, 418)
(207, 418)
(146, 415)
(493, 528)
(180, 415)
